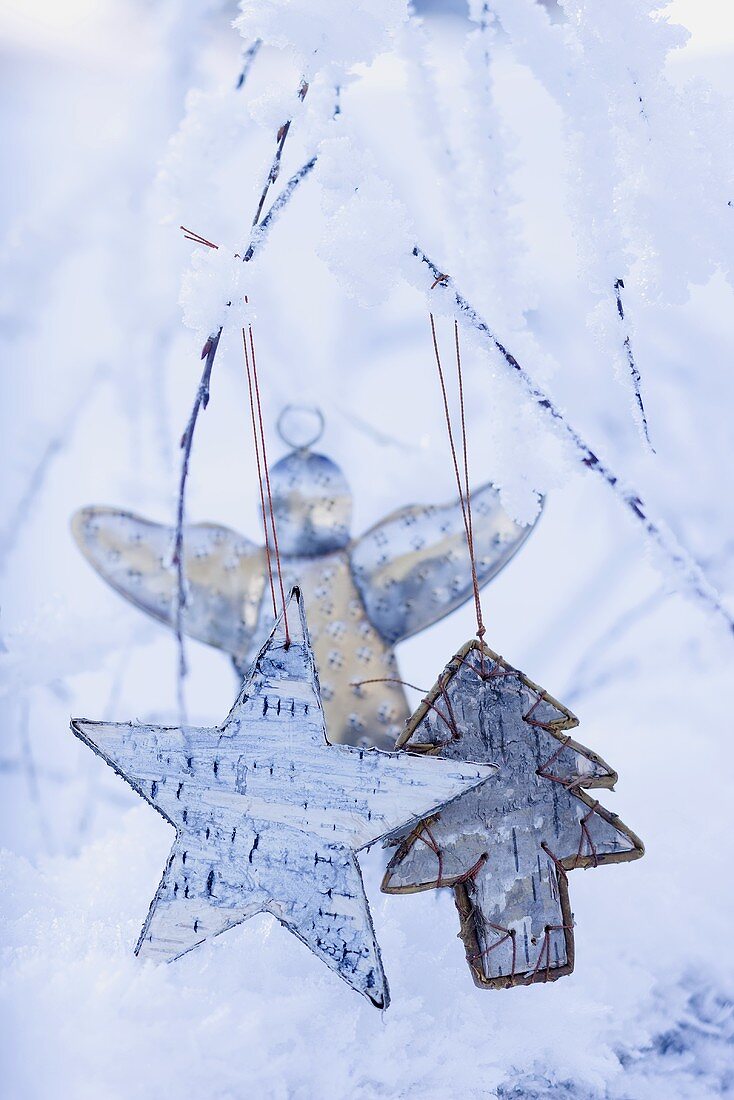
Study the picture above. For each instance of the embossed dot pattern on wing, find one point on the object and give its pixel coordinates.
(363, 595)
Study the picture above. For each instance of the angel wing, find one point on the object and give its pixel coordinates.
(412, 567)
(225, 573)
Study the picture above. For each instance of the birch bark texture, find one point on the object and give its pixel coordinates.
(269, 816)
(506, 847)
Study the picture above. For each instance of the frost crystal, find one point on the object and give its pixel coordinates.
(324, 35)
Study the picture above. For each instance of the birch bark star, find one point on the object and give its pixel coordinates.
(269, 816)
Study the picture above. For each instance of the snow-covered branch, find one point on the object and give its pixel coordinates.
(258, 236)
(685, 569)
(280, 141)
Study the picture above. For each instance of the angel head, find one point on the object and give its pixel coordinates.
(312, 501)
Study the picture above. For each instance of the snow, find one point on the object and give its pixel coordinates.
(319, 36)
(535, 184)
(367, 238)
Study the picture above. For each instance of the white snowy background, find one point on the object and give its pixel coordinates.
(536, 160)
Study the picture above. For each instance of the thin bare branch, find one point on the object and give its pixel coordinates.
(382, 439)
(31, 774)
(258, 236)
(54, 447)
(248, 58)
(280, 140)
(260, 231)
(634, 370)
(177, 559)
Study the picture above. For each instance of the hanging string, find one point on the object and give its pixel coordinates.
(259, 473)
(251, 363)
(192, 235)
(464, 494)
(467, 494)
(425, 835)
(507, 935)
(587, 837)
(258, 435)
(449, 720)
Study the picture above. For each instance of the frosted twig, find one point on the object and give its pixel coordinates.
(685, 566)
(586, 677)
(29, 767)
(248, 58)
(12, 765)
(258, 235)
(90, 798)
(634, 370)
(260, 231)
(280, 141)
(432, 126)
(54, 447)
(581, 681)
(381, 438)
(209, 351)
(200, 402)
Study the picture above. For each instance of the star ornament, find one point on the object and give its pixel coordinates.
(269, 816)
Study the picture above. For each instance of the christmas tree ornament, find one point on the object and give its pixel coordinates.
(507, 848)
(269, 816)
(363, 595)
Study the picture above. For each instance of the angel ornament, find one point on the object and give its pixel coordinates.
(363, 595)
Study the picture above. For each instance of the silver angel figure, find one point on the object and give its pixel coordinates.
(363, 595)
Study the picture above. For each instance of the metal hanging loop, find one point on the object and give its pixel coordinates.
(294, 432)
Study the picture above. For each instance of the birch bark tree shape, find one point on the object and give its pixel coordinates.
(364, 595)
(269, 816)
(507, 848)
